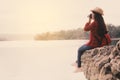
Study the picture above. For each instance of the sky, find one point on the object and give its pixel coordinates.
(38, 16)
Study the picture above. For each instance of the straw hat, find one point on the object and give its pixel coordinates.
(97, 10)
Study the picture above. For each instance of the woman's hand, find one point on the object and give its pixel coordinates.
(89, 20)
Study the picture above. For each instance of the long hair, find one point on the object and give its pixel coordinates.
(101, 24)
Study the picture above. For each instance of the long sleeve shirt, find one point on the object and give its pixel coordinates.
(93, 28)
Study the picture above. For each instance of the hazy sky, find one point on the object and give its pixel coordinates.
(36, 16)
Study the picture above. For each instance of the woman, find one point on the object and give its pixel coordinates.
(97, 28)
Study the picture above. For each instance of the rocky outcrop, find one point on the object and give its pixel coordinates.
(102, 63)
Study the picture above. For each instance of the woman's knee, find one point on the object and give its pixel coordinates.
(81, 49)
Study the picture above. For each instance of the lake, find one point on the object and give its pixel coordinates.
(39, 60)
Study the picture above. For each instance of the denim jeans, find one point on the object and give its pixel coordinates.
(80, 53)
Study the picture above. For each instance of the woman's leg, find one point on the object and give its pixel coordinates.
(80, 53)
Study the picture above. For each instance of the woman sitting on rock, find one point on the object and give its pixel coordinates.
(98, 34)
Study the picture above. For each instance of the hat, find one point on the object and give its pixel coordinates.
(97, 10)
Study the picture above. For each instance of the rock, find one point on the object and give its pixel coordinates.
(118, 45)
(102, 63)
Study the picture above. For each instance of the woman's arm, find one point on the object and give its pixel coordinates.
(89, 26)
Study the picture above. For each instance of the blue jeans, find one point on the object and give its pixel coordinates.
(80, 53)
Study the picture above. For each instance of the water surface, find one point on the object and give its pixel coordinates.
(39, 60)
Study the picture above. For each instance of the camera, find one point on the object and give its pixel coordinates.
(90, 16)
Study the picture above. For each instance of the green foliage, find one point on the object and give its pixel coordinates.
(62, 35)
(114, 31)
(79, 33)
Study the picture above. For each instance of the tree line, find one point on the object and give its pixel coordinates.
(74, 34)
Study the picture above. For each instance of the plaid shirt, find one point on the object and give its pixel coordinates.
(93, 42)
